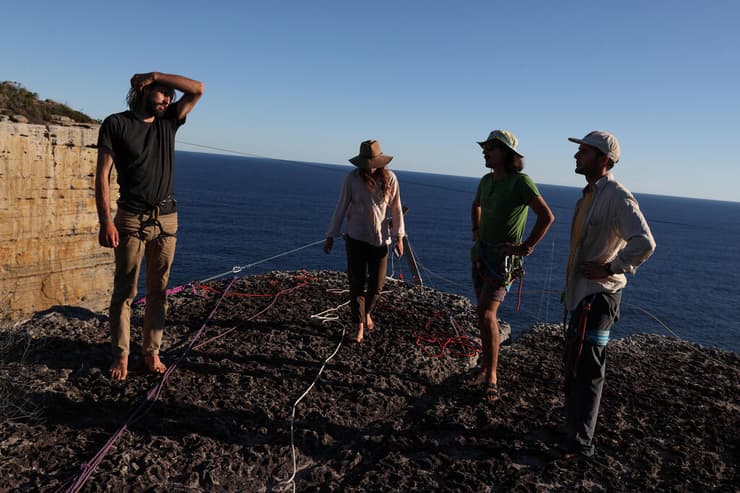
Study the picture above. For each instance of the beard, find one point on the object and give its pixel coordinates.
(585, 168)
(155, 109)
(152, 107)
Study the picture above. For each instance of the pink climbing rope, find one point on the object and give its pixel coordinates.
(87, 468)
(175, 290)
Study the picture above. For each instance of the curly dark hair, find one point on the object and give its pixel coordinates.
(514, 163)
(133, 98)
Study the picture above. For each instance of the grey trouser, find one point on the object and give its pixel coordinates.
(154, 236)
(365, 262)
(585, 369)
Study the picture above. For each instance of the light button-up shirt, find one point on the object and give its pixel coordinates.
(614, 231)
(365, 212)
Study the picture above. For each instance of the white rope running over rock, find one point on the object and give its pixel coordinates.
(326, 317)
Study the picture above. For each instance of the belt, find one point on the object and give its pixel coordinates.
(166, 206)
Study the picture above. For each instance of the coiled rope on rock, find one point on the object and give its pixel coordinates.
(445, 342)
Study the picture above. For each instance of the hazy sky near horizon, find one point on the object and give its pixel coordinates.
(308, 80)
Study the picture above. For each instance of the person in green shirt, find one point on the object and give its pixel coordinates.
(499, 217)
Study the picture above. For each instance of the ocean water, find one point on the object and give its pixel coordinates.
(236, 211)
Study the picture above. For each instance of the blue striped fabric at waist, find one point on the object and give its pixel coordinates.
(597, 337)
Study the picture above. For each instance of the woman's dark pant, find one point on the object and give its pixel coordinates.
(365, 262)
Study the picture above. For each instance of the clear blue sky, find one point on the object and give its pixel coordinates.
(308, 80)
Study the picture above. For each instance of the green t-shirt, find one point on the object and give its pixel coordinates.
(503, 208)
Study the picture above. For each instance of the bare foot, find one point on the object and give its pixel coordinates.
(360, 333)
(119, 368)
(369, 322)
(154, 364)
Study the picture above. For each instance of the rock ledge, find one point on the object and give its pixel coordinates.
(385, 415)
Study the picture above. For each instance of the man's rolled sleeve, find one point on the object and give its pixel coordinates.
(640, 242)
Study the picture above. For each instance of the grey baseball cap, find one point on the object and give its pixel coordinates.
(603, 141)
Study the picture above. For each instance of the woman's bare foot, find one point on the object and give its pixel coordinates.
(119, 368)
(360, 333)
(154, 364)
(369, 322)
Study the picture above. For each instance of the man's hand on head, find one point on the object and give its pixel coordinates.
(140, 81)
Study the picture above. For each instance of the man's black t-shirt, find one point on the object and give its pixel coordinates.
(144, 155)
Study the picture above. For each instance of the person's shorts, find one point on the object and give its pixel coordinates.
(487, 288)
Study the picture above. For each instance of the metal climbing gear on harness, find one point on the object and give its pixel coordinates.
(513, 268)
(509, 269)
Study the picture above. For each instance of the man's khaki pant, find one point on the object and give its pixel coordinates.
(154, 236)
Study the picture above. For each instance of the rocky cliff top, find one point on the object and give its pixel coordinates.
(392, 414)
(20, 105)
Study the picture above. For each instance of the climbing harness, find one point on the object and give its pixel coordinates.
(513, 265)
(166, 206)
(513, 269)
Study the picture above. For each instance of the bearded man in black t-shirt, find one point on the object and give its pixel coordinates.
(140, 143)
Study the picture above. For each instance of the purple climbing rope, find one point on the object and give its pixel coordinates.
(87, 468)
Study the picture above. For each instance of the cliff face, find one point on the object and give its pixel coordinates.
(49, 253)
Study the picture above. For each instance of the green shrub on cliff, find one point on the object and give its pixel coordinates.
(17, 100)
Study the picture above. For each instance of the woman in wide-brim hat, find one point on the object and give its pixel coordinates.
(367, 194)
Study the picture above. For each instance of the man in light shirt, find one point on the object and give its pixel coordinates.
(609, 238)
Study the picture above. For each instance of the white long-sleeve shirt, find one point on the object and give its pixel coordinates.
(366, 212)
(614, 231)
